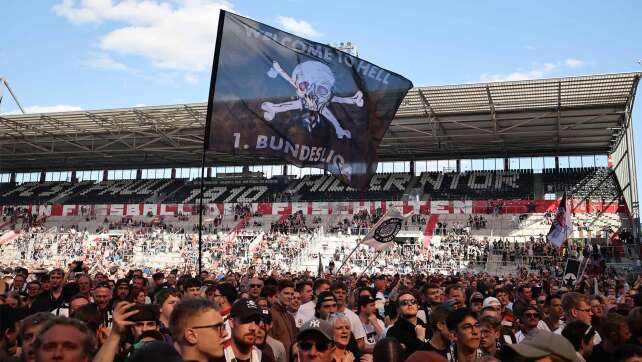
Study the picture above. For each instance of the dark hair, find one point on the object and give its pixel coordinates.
(185, 310)
(388, 350)
(268, 291)
(635, 322)
(163, 294)
(390, 309)
(301, 285)
(338, 285)
(576, 332)
(192, 283)
(627, 351)
(407, 291)
(439, 314)
(284, 283)
(318, 283)
(88, 343)
(611, 324)
(455, 317)
(322, 298)
(228, 291)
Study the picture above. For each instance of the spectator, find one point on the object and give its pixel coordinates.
(581, 337)
(540, 344)
(326, 305)
(341, 337)
(278, 350)
(64, 339)
(465, 334)
(254, 288)
(314, 341)
(198, 330)
(616, 333)
(408, 330)
(30, 328)
(440, 335)
(283, 328)
(340, 292)
(166, 299)
(307, 309)
(529, 319)
(244, 322)
(192, 288)
(373, 327)
(490, 332)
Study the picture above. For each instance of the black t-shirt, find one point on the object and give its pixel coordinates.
(429, 347)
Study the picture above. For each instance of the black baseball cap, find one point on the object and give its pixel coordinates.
(366, 299)
(246, 311)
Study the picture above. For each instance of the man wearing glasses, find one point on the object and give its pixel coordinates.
(244, 321)
(314, 341)
(198, 330)
(254, 288)
(409, 330)
(465, 334)
(529, 319)
(577, 308)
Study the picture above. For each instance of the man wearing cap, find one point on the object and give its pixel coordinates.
(244, 321)
(373, 327)
(540, 344)
(314, 341)
(122, 290)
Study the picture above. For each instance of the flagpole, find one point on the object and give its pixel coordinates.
(206, 138)
(200, 213)
(348, 257)
(370, 263)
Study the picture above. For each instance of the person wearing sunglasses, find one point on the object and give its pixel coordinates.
(529, 319)
(245, 318)
(254, 288)
(314, 342)
(409, 330)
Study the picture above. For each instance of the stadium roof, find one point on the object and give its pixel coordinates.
(575, 115)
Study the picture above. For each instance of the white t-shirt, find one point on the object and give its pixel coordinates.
(355, 324)
(305, 313)
(371, 333)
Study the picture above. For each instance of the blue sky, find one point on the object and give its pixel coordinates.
(88, 54)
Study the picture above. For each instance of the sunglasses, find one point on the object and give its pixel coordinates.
(256, 285)
(321, 346)
(530, 315)
(408, 302)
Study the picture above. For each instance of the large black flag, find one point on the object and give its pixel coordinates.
(276, 94)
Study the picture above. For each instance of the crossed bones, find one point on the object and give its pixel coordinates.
(305, 101)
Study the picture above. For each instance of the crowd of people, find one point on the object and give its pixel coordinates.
(79, 314)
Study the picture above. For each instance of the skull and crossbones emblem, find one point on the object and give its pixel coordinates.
(314, 85)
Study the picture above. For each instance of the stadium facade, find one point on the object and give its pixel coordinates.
(450, 149)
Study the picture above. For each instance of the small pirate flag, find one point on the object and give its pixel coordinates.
(571, 272)
(277, 95)
(562, 226)
(382, 235)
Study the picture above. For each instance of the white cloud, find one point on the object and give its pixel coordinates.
(105, 62)
(574, 63)
(190, 79)
(173, 35)
(45, 109)
(535, 72)
(298, 27)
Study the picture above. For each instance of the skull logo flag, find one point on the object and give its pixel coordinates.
(274, 94)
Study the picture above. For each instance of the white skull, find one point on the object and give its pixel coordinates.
(315, 81)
